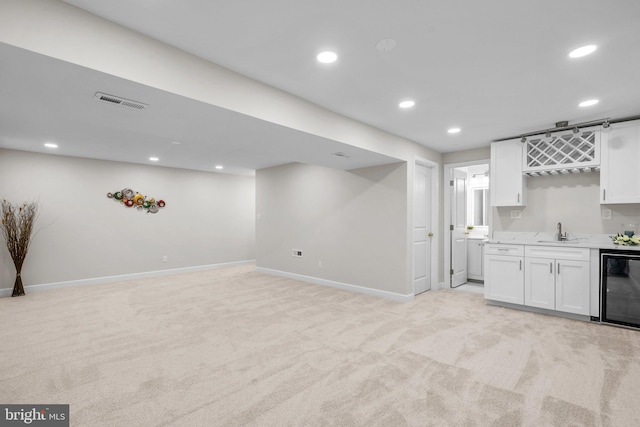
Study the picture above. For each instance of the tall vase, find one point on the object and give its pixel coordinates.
(18, 289)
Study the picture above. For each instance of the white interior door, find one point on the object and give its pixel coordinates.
(458, 228)
(422, 233)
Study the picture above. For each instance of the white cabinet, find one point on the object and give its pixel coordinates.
(620, 157)
(475, 257)
(507, 184)
(503, 273)
(540, 283)
(557, 278)
(572, 286)
(549, 277)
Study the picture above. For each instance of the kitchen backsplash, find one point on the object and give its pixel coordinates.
(572, 200)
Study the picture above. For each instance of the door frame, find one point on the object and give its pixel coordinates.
(447, 212)
(435, 221)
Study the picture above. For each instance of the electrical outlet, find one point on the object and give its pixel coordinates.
(296, 253)
(606, 213)
(516, 214)
(164, 258)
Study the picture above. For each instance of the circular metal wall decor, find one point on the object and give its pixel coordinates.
(130, 198)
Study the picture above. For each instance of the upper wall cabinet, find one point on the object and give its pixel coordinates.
(620, 170)
(562, 152)
(507, 184)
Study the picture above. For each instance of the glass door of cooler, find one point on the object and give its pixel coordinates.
(620, 288)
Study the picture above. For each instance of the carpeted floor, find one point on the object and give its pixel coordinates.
(233, 347)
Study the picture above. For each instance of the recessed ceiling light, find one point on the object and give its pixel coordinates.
(407, 104)
(588, 103)
(176, 142)
(454, 130)
(154, 159)
(219, 167)
(327, 57)
(50, 145)
(582, 51)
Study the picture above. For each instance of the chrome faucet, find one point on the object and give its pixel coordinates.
(560, 236)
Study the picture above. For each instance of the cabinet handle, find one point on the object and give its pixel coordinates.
(558, 268)
(518, 197)
(604, 194)
(551, 267)
(520, 265)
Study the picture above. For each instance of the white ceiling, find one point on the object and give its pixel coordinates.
(494, 68)
(43, 99)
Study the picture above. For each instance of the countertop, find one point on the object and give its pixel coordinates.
(591, 241)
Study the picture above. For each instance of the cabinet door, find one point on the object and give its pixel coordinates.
(507, 184)
(572, 286)
(620, 155)
(504, 278)
(474, 259)
(540, 283)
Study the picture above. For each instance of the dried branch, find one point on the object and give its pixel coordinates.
(17, 227)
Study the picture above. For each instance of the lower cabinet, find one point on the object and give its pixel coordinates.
(539, 283)
(557, 278)
(503, 273)
(550, 277)
(572, 286)
(554, 284)
(475, 255)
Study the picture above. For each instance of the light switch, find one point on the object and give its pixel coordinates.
(606, 213)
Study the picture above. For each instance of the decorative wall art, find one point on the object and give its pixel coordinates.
(131, 198)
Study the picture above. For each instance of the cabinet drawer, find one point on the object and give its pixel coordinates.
(503, 249)
(555, 252)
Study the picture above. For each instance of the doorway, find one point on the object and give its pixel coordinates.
(467, 221)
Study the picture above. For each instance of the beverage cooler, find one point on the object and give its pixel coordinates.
(620, 288)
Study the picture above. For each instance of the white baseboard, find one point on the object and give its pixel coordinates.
(339, 285)
(585, 318)
(119, 278)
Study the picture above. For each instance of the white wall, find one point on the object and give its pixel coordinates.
(467, 155)
(570, 199)
(209, 218)
(355, 222)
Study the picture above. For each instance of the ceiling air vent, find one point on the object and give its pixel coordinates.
(116, 100)
(341, 154)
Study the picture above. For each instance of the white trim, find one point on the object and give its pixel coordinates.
(338, 285)
(435, 220)
(447, 212)
(119, 278)
(530, 309)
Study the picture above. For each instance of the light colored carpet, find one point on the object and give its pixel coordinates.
(233, 347)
